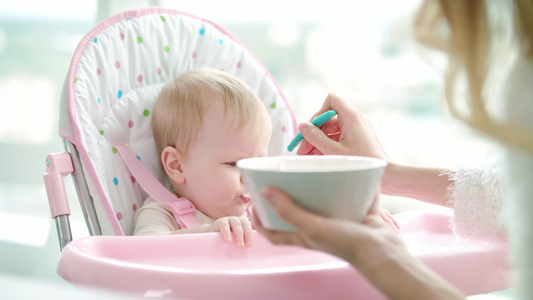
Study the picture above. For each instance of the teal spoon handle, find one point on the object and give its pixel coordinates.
(318, 121)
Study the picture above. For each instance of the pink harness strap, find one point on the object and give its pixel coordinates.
(181, 208)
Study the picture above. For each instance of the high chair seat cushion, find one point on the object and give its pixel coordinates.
(115, 77)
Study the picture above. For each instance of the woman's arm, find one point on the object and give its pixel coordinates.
(426, 184)
(350, 133)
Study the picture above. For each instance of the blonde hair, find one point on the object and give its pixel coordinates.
(179, 110)
(462, 29)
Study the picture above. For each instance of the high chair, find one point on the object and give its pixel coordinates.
(115, 76)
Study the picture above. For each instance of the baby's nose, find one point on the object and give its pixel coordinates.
(243, 186)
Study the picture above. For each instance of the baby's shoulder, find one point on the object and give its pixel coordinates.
(152, 204)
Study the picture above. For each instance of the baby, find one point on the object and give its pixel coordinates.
(203, 123)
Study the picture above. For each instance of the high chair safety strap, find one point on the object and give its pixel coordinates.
(182, 209)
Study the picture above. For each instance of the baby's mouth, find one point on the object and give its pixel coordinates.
(245, 197)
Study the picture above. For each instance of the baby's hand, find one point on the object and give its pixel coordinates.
(387, 218)
(240, 226)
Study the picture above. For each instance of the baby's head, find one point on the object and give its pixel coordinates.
(182, 105)
(202, 123)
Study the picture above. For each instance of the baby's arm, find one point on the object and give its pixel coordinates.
(154, 219)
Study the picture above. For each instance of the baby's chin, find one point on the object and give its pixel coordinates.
(240, 210)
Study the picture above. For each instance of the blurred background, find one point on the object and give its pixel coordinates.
(361, 50)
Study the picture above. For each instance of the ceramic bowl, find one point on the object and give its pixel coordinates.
(334, 186)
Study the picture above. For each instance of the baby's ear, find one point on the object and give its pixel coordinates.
(172, 160)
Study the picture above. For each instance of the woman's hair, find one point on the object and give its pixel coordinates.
(462, 29)
(180, 108)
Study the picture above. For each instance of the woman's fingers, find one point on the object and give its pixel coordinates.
(389, 219)
(317, 139)
(286, 209)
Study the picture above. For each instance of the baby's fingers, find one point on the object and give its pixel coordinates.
(248, 232)
(225, 230)
(242, 230)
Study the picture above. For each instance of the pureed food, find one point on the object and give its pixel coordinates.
(330, 163)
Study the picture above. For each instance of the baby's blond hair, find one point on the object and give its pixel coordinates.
(180, 108)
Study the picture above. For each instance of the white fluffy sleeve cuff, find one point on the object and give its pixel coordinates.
(477, 199)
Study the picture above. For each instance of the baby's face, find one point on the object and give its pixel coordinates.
(212, 180)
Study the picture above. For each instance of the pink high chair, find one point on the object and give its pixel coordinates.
(115, 76)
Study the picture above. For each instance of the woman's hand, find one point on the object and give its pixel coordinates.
(240, 226)
(329, 235)
(371, 246)
(349, 133)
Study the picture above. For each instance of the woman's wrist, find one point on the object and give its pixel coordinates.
(398, 180)
(388, 180)
(420, 183)
(381, 256)
(404, 277)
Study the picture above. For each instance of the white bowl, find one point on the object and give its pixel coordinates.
(334, 186)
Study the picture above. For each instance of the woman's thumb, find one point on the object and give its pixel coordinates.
(314, 136)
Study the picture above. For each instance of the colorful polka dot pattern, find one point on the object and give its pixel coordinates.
(130, 61)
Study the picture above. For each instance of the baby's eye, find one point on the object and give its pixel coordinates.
(232, 164)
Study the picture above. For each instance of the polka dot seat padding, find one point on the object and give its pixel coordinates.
(116, 74)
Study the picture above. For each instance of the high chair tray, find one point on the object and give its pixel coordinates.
(203, 266)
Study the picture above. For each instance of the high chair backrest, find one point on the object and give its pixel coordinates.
(114, 79)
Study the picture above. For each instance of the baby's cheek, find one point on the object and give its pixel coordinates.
(231, 182)
(221, 179)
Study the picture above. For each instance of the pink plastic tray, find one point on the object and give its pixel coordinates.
(203, 266)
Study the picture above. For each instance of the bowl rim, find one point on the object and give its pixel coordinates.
(375, 163)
